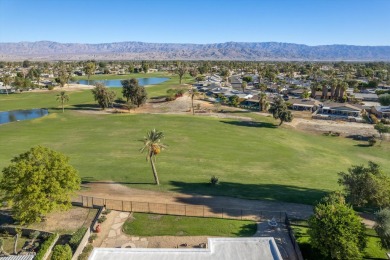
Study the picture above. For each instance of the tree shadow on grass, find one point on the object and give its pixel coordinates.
(250, 124)
(93, 107)
(88, 180)
(247, 230)
(234, 111)
(211, 196)
(363, 145)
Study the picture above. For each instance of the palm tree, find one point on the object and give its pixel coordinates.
(343, 89)
(333, 85)
(243, 86)
(153, 146)
(89, 69)
(63, 98)
(313, 87)
(324, 90)
(263, 103)
(194, 93)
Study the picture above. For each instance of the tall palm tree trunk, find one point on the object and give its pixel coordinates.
(192, 102)
(63, 111)
(154, 169)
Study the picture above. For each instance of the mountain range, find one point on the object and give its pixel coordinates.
(253, 51)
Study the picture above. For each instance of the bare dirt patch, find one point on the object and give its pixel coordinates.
(342, 127)
(116, 191)
(67, 221)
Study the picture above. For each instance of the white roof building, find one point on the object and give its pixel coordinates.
(251, 248)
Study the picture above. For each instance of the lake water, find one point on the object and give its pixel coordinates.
(117, 82)
(17, 115)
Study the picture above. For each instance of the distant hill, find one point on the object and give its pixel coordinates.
(46, 50)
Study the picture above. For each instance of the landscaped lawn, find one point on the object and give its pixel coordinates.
(372, 251)
(256, 161)
(9, 242)
(144, 224)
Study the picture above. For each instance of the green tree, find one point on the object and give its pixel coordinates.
(305, 93)
(247, 79)
(193, 72)
(366, 186)
(234, 101)
(181, 70)
(225, 74)
(145, 67)
(384, 99)
(153, 146)
(62, 98)
(62, 252)
(336, 230)
(103, 96)
(382, 226)
(89, 69)
(38, 182)
(279, 111)
(132, 91)
(200, 78)
(7, 81)
(382, 129)
(63, 76)
(26, 63)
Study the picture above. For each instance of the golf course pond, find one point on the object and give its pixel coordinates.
(117, 82)
(18, 115)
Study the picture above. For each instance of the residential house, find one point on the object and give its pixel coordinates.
(6, 89)
(256, 248)
(303, 104)
(339, 111)
(366, 97)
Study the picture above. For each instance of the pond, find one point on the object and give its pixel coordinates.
(117, 82)
(18, 115)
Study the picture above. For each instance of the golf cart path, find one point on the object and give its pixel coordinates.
(117, 191)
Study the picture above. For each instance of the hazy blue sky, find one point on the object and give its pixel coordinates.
(312, 22)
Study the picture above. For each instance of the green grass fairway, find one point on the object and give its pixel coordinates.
(162, 225)
(256, 161)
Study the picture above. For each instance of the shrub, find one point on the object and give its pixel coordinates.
(374, 119)
(77, 237)
(214, 180)
(385, 121)
(45, 246)
(371, 141)
(92, 238)
(102, 219)
(51, 87)
(87, 250)
(62, 252)
(106, 212)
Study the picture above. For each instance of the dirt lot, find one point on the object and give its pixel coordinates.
(67, 221)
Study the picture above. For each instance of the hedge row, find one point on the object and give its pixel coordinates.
(62, 252)
(45, 246)
(77, 237)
